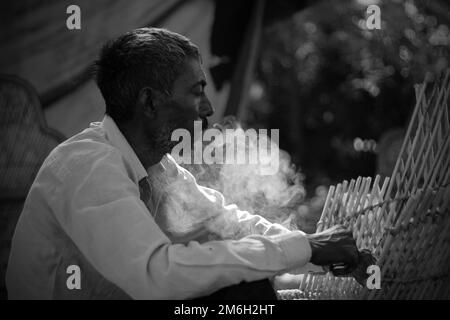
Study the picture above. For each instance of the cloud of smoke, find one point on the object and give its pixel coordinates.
(279, 197)
(273, 196)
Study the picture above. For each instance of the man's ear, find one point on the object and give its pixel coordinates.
(145, 102)
(150, 100)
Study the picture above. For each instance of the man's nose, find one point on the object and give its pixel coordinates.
(206, 109)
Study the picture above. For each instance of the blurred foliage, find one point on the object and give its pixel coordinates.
(334, 88)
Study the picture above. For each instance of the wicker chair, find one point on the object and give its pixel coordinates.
(25, 143)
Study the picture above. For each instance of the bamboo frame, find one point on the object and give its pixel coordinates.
(405, 222)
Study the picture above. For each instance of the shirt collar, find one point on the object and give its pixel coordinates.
(120, 142)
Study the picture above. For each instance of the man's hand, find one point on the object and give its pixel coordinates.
(334, 248)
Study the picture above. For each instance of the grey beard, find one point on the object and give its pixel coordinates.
(161, 140)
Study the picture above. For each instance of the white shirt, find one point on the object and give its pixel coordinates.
(84, 208)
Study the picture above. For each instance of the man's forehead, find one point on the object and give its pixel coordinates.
(192, 72)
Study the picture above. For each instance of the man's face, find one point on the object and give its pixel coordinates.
(188, 103)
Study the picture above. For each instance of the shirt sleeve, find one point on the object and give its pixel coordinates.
(247, 224)
(242, 222)
(98, 206)
(228, 221)
(231, 222)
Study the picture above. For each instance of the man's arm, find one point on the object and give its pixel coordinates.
(101, 212)
(240, 221)
(229, 221)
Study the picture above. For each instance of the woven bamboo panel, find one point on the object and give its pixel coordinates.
(405, 220)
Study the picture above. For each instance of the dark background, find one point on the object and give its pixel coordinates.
(340, 94)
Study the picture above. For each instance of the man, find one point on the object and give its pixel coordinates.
(94, 224)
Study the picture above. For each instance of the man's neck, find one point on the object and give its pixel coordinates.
(139, 143)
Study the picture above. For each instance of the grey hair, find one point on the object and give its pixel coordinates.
(146, 57)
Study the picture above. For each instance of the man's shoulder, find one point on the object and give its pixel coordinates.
(81, 152)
